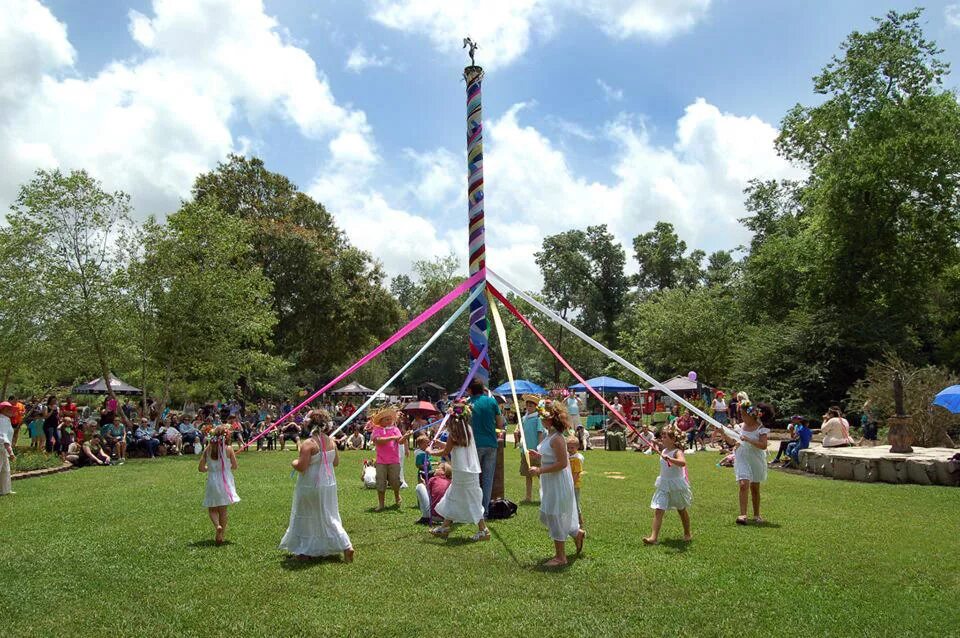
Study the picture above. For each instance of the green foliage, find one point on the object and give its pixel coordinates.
(680, 329)
(328, 296)
(662, 259)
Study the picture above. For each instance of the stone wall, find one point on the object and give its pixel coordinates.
(925, 466)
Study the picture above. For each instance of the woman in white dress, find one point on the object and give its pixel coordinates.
(315, 528)
(219, 462)
(558, 505)
(750, 455)
(463, 502)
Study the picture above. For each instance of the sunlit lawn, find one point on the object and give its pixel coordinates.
(126, 551)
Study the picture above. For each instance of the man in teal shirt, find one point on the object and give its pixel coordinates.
(485, 421)
(533, 433)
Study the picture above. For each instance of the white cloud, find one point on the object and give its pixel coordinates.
(151, 124)
(506, 28)
(359, 59)
(610, 94)
(952, 15)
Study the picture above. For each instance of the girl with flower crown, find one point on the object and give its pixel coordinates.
(463, 500)
(750, 454)
(558, 505)
(219, 462)
(315, 528)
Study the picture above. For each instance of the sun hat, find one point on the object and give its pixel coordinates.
(531, 398)
(386, 414)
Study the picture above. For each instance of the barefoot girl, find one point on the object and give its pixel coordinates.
(219, 462)
(463, 500)
(558, 505)
(673, 490)
(750, 456)
(315, 528)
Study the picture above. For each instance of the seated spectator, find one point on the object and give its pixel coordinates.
(421, 458)
(114, 438)
(146, 438)
(190, 433)
(289, 431)
(835, 429)
(236, 429)
(583, 438)
(782, 449)
(802, 435)
(91, 453)
(429, 494)
(687, 427)
(74, 451)
(356, 440)
(172, 437)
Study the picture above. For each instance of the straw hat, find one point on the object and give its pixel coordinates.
(384, 415)
(531, 398)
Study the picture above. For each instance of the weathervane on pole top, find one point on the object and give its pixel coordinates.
(468, 42)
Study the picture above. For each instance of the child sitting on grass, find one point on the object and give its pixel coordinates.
(369, 475)
(422, 459)
(673, 489)
(429, 494)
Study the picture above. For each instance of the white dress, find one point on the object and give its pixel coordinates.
(463, 502)
(220, 487)
(315, 528)
(6, 436)
(673, 490)
(558, 504)
(749, 462)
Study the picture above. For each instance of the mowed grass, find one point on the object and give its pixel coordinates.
(127, 551)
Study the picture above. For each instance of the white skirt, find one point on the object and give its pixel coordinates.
(5, 482)
(315, 528)
(219, 494)
(750, 464)
(558, 505)
(671, 494)
(463, 502)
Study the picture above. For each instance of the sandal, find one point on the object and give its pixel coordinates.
(440, 531)
(741, 520)
(758, 520)
(481, 536)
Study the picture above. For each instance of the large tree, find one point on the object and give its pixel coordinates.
(663, 261)
(328, 296)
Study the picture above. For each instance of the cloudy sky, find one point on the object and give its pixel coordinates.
(619, 111)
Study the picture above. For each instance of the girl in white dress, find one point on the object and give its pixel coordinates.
(219, 461)
(558, 504)
(673, 489)
(315, 528)
(463, 502)
(750, 455)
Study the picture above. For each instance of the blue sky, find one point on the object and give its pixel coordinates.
(624, 112)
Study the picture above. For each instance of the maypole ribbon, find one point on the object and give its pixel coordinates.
(415, 323)
(436, 335)
(526, 322)
(609, 353)
(473, 76)
(502, 336)
(463, 388)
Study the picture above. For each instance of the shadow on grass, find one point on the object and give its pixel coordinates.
(499, 538)
(209, 542)
(677, 545)
(294, 564)
(543, 568)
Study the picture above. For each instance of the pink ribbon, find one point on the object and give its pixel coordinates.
(526, 322)
(223, 471)
(439, 305)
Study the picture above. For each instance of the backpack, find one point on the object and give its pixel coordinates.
(502, 508)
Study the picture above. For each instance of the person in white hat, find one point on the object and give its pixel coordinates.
(6, 441)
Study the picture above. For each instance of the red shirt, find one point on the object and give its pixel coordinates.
(437, 487)
(18, 411)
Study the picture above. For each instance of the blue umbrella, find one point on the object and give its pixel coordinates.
(949, 398)
(606, 384)
(523, 387)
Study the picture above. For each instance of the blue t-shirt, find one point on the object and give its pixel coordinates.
(484, 420)
(804, 435)
(532, 427)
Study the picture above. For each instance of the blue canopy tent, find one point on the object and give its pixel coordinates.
(605, 384)
(949, 398)
(523, 387)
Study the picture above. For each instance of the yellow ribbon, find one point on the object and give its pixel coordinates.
(502, 337)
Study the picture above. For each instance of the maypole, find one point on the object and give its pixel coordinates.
(473, 75)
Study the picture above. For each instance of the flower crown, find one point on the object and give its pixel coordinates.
(461, 407)
(547, 409)
(746, 404)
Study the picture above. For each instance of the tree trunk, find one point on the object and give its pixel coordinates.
(105, 370)
(6, 382)
(166, 385)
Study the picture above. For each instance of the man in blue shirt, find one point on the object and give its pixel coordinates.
(802, 435)
(485, 421)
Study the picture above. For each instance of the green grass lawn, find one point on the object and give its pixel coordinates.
(127, 551)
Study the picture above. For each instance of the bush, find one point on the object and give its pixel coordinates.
(931, 423)
(29, 460)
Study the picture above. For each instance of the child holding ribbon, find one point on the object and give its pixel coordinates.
(673, 489)
(219, 462)
(750, 454)
(558, 505)
(463, 500)
(386, 439)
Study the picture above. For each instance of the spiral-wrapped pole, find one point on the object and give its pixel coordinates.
(478, 251)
